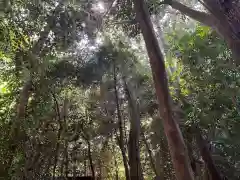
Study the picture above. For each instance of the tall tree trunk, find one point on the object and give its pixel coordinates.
(223, 17)
(65, 116)
(62, 166)
(203, 146)
(17, 133)
(48, 165)
(162, 157)
(66, 159)
(34, 52)
(120, 138)
(100, 170)
(115, 163)
(85, 167)
(157, 175)
(206, 155)
(59, 117)
(116, 168)
(90, 159)
(134, 149)
(176, 144)
(115, 158)
(74, 159)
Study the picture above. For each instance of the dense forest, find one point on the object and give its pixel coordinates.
(119, 89)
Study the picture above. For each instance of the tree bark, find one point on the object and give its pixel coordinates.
(58, 135)
(115, 162)
(66, 159)
(206, 155)
(150, 156)
(203, 146)
(100, 170)
(176, 144)
(85, 167)
(90, 159)
(202, 17)
(120, 138)
(74, 161)
(134, 149)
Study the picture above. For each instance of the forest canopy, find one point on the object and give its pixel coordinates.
(119, 89)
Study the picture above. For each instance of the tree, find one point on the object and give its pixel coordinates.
(172, 131)
(221, 16)
(90, 108)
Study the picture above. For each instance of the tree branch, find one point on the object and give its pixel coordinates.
(202, 17)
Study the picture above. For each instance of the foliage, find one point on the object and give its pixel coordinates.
(211, 86)
(77, 66)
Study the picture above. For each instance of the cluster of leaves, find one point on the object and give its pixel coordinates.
(71, 124)
(210, 84)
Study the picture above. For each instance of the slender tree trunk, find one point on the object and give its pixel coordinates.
(150, 156)
(58, 135)
(27, 87)
(65, 116)
(116, 165)
(134, 149)
(90, 159)
(203, 147)
(120, 139)
(206, 155)
(125, 160)
(116, 169)
(115, 158)
(74, 157)
(48, 165)
(66, 159)
(100, 170)
(62, 165)
(17, 133)
(176, 144)
(85, 167)
(56, 153)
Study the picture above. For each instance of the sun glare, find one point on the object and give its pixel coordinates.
(99, 7)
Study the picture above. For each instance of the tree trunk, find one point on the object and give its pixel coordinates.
(74, 161)
(65, 116)
(176, 144)
(206, 155)
(223, 17)
(115, 164)
(58, 135)
(134, 149)
(17, 133)
(203, 146)
(100, 170)
(48, 164)
(62, 165)
(90, 159)
(66, 159)
(33, 53)
(85, 167)
(120, 139)
(150, 156)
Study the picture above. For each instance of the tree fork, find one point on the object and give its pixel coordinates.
(176, 144)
